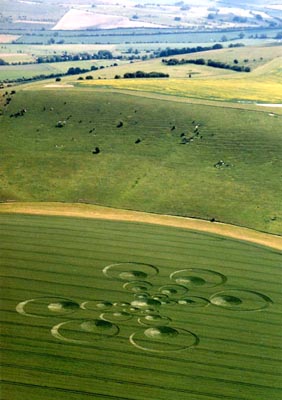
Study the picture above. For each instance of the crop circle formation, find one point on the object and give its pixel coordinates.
(154, 331)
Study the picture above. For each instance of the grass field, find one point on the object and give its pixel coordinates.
(158, 174)
(221, 340)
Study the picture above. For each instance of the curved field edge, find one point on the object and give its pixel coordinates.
(99, 212)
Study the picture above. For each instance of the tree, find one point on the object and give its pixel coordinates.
(211, 16)
(259, 17)
(105, 54)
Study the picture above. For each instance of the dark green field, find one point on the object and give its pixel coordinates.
(42, 162)
(227, 349)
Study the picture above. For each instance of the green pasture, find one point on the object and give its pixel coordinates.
(143, 165)
(226, 328)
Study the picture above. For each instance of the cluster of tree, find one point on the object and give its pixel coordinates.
(142, 74)
(187, 50)
(70, 71)
(209, 63)
(239, 19)
(76, 71)
(101, 55)
(3, 62)
(234, 45)
(219, 64)
(33, 78)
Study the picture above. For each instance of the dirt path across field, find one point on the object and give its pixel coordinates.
(99, 212)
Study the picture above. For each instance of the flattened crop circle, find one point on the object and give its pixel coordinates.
(96, 305)
(154, 320)
(198, 277)
(130, 271)
(194, 301)
(164, 339)
(240, 300)
(137, 286)
(84, 332)
(173, 291)
(117, 316)
(43, 307)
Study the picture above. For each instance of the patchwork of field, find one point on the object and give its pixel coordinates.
(263, 84)
(119, 310)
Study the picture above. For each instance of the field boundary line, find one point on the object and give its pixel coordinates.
(108, 213)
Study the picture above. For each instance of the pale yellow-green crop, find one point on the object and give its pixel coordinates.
(232, 89)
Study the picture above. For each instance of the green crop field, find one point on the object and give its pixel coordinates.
(118, 310)
(155, 155)
(252, 56)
